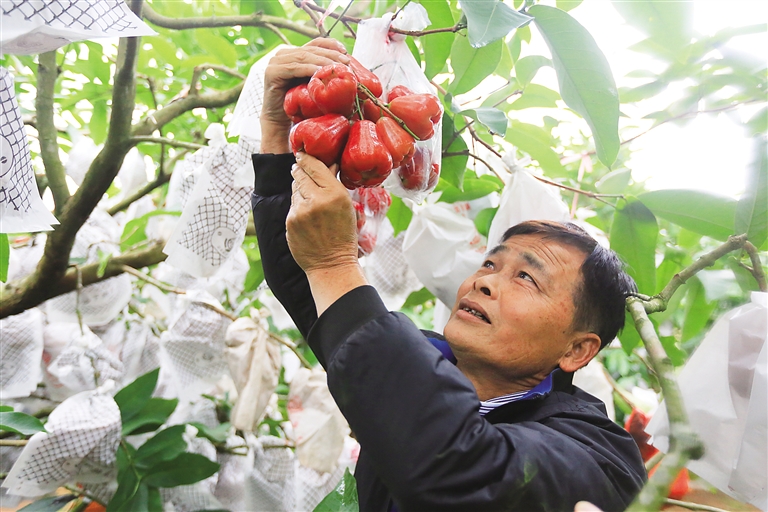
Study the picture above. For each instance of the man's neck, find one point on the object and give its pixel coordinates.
(491, 385)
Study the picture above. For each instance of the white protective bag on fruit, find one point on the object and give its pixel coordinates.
(215, 213)
(270, 483)
(79, 445)
(388, 56)
(21, 354)
(371, 206)
(524, 198)
(442, 248)
(318, 425)
(254, 364)
(33, 26)
(723, 386)
(21, 208)
(387, 270)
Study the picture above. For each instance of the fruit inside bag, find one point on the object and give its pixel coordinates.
(371, 205)
(387, 55)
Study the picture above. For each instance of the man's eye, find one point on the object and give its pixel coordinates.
(488, 264)
(527, 276)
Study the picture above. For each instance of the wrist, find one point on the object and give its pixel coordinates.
(329, 283)
(275, 137)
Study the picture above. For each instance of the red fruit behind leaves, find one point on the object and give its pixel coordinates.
(635, 425)
(419, 112)
(322, 137)
(334, 88)
(365, 161)
(397, 141)
(299, 105)
(397, 91)
(365, 77)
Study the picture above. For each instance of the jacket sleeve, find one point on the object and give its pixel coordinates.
(271, 201)
(416, 416)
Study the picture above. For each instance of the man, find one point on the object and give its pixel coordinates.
(484, 418)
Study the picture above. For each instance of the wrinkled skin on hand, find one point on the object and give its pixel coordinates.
(285, 70)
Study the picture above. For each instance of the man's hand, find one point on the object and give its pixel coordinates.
(281, 74)
(321, 231)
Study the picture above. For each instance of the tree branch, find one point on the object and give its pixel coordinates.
(198, 71)
(292, 346)
(169, 142)
(159, 118)
(163, 177)
(253, 20)
(757, 266)
(47, 134)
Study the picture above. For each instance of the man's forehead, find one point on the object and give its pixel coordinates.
(540, 251)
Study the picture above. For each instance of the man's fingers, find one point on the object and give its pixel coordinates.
(327, 42)
(316, 170)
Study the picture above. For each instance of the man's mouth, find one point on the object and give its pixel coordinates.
(476, 313)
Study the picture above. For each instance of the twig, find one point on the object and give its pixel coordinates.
(693, 506)
(13, 442)
(626, 397)
(221, 311)
(83, 492)
(47, 134)
(277, 32)
(307, 7)
(342, 14)
(757, 266)
(293, 347)
(476, 137)
(163, 140)
(162, 178)
(253, 20)
(151, 280)
(198, 71)
(380, 104)
(593, 195)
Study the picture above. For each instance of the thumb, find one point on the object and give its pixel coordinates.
(316, 170)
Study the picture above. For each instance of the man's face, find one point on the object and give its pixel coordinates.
(512, 318)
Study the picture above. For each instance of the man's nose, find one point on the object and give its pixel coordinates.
(484, 285)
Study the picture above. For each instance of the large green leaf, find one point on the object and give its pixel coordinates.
(472, 65)
(489, 20)
(492, 118)
(535, 95)
(483, 220)
(752, 209)
(20, 423)
(454, 159)
(669, 23)
(584, 75)
(615, 182)
(165, 445)
(185, 469)
(151, 417)
(437, 47)
(127, 485)
(700, 212)
(527, 67)
(418, 297)
(474, 188)
(134, 397)
(536, 141)
(5, 256)
(633, 237)
(399, 215)
(697, 310)
(343, 498)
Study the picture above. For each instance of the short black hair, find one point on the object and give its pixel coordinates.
(600, 298)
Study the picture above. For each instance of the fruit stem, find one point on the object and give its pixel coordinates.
(383, 107)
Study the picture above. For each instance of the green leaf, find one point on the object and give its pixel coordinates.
(527, 67)
(700, 212)
(5, 256)
(135, 230)
(165, 445)
(584, 75)
(399, 215)
(134, 397)
(97, 126)
(255, 274)
(676, 355)
(697, 310)
(668, 23)
(629, 337)
(472, 65)
(483, 220)
(645, 91)
(217, 47)
(343, 498)
(104, 258)
(633, 237)
(418, 298)
(414, 49)
(759, 122)
(615, 182)
(151, 417)
(163, 48)
(490, 20)
(4, 408)
(140, 500)
(20, 423)
(215, 435)
(454, 166)
(752, 208)
(127, 485)
(437, 47)
(154, 500)
(494, 119)
(567, 5)
(185, 469)
(536, 95)
(536, 141)
(52, 504)
(474, 188)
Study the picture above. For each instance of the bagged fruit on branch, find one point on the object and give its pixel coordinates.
(21, 345)
(410, 98)
(371, 205)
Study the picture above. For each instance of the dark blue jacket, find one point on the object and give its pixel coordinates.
(424, 445)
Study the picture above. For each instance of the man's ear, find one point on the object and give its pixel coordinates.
(583, 349)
